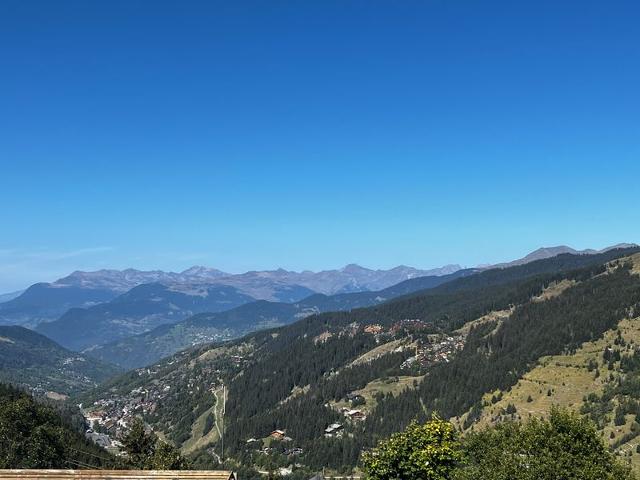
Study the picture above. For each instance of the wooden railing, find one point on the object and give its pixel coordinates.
(117, 475)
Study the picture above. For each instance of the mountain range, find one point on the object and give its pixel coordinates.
(149, 305)
(258, 284)
(139, 350)
(498, 344)
(337, 373)
(85, 310)
(549, 252)
(44, 302)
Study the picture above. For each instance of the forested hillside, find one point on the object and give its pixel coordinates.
(336, 383)
(34, 435)
(138, 310)
(35, 362)
(149, 347)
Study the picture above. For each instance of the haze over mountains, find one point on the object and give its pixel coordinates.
(146, 348)
(351, 278)
(85, 310)
(43, 302)
(32, 360)
(5, 297)
(139, 310)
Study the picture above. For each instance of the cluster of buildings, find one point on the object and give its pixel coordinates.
(159, 391)
(66, 371)
(200, 337)
(436, 349)
(110, 418)
(410, 325)
(281, 436)
(355, 327)
(374, 329)
(289, 452)
(337, 429)
(72, 360)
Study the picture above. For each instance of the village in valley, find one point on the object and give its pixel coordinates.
(151, 389)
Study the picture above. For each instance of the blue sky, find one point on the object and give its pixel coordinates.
(308, 135)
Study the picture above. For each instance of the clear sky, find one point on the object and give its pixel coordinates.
(307, 135)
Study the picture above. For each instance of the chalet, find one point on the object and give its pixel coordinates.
(373, 329)
(355, 414)
(277, 434)
(117, 475)
(332, 429)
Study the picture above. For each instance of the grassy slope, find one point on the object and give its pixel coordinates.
(569, 380)
(394, 386)
(198, 438)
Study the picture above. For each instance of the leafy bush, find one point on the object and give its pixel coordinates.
(422, 452)
(33, 435)
(567, 447)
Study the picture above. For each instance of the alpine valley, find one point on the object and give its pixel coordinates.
(496, 344)
(86, 309)
(300, 372)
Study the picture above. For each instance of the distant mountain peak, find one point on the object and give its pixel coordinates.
(353, 267)
(619, 245)
(558, 248)
(549, 252)
(82, 289)
(199, 271)
(545, 252)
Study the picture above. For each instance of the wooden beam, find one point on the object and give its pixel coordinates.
(117, 475)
